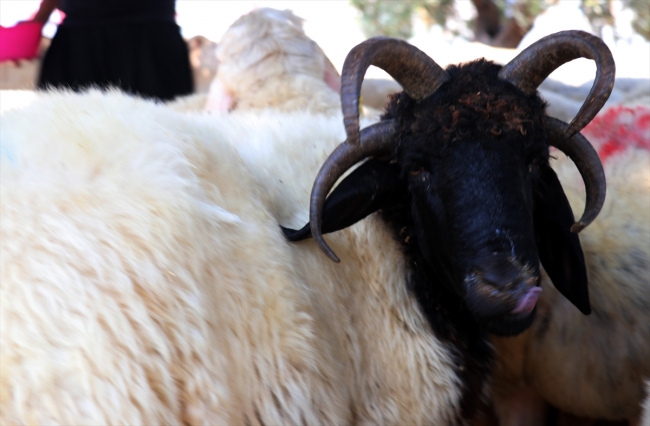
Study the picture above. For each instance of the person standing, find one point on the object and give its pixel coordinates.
(134, 45)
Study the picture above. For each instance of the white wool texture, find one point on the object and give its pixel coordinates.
(594, 366)
(267, 60)
(645, 419)
(190, 103)
(144, 278)
(564, 101)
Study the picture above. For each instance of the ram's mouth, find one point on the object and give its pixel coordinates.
(516, 320)
(504, 312)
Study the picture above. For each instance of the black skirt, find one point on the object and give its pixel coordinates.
(148, 58)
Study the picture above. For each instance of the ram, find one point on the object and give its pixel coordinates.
(145, 279)
(460, 172)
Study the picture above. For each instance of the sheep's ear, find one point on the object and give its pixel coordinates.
(559, 249)
(331, 76)
(220, 98)
(371, 186)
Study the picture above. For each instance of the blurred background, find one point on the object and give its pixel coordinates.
(450, 31)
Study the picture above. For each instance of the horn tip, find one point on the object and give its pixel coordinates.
(333, 257)
(577, 227)
(326, 249)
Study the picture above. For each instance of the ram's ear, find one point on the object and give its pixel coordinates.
(220, 98)
(371, 186)
(559, 249)
(331, 76)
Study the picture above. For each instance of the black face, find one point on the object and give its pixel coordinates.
(472, 207)
(471, 168)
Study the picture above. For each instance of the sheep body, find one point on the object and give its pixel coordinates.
(267, 60)
(619, 128)
(565, 100)
(145, 280)
(114, 233)
(189, 104)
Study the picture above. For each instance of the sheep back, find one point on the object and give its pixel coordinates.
(142, 278)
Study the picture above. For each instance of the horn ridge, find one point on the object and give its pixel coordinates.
(586, 159)
(375, 139)
(535, 63)
(416, 72)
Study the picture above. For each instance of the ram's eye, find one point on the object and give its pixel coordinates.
(416, 171)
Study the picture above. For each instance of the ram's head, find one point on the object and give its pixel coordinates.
(466, 150)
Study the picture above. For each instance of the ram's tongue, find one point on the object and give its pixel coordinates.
(528, 301)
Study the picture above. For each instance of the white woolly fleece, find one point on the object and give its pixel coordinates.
(645, 419)
(267, 60)
(144, 278)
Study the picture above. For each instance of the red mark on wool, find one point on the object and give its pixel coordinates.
(619, 128)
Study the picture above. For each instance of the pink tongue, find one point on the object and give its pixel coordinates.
(527, 303)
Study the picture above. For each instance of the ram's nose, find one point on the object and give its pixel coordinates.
(501, 287)
(500, 273)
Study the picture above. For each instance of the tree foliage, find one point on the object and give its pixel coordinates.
(600, 13)
(500, 23)
(394, 18)
(641, 22)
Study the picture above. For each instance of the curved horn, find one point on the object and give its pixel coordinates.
(534, 64)
(586, 159)
(416, 72)
(375, 139)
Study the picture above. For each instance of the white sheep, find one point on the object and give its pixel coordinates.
(590, 366)
(565, 100)
(145, 280)
(267, 61)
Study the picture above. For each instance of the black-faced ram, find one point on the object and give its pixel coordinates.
(458, 168)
